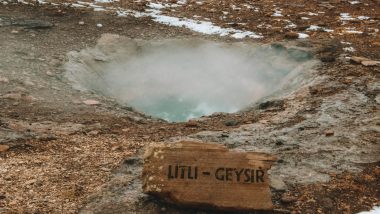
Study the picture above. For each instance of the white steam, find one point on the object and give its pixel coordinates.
(181, 79)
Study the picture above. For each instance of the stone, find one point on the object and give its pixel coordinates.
(278, 184)
(272, 104)
(231, 122)
(4, 148)
(208, 175)
(33, 24)
(370, 63)
(91, 102)
(291, 35)
(329, 133)
(327, 58)
(358, 59)
(288, 199)
(377, 99)
(4, 79)
(81, 22)
(99, 25)
(12, 96)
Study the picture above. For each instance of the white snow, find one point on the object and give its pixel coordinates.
(354, 2)
(345, 17)
(99, 9)
(277, 13)
(181, 2)
(375, 210)
(352, 30)
(349, 49)
(103, 1)
(204, 27)
(290, 25)
(363, 17)
(346, 43)
(316, 27)
(313, 27)
(302, 35)
(243, 34)
(156, 6)
(312, 14)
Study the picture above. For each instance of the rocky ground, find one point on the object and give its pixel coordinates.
(69, 151)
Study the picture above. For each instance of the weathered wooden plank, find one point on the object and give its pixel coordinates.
(204, 174)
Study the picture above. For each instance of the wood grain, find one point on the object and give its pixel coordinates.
(209, 175)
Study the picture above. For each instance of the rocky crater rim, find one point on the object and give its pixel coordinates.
(182, 79)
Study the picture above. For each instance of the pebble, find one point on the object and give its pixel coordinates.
(4, 79)
(12, 96)
(99, 25)
(28, 83)
(370, 63)
(278, 184)
(81, 22)
(377, 99)
(291, 35)
(91, 102)
(288, 199)
(4, 148)
(358, 59)
(329, 132)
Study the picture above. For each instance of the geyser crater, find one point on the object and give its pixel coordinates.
(178, 80)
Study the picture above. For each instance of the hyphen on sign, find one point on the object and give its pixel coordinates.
(208, 175)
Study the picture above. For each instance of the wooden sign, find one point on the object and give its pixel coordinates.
(208, 175)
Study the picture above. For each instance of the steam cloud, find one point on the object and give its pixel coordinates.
(181, 79)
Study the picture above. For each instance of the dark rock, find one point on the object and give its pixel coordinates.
(280, 142)
(272, 104)
(291, 35)
(327, 203)
(300, 55)
(133, 161)
(278, 46)
(329, 132)
(224, 135)
(327, 58)
(231, 122)
(32, 24)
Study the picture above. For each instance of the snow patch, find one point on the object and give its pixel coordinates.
(375, 210)
(346, 17)
(303, 36)
(354, 2)
(349, 49)
(316, 27)
(103, 1)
